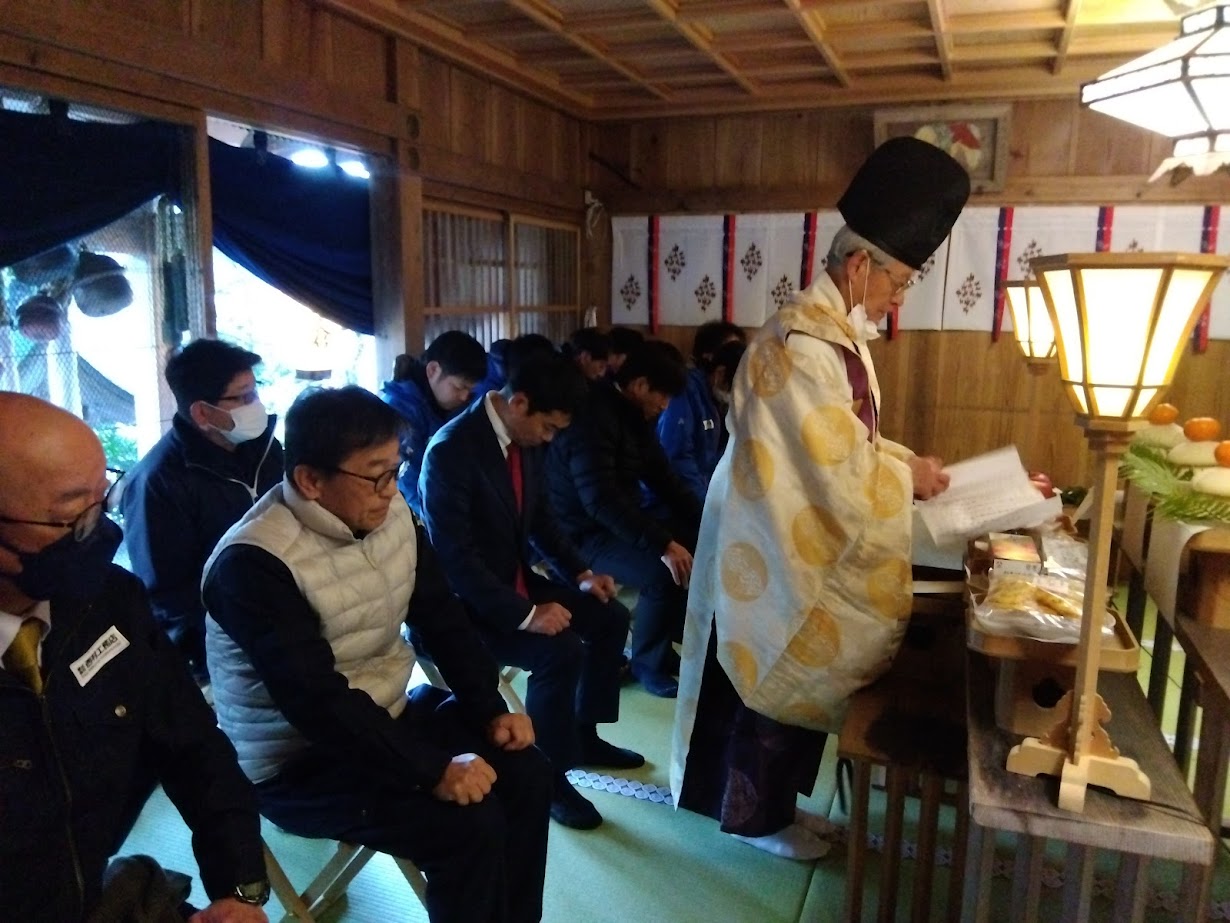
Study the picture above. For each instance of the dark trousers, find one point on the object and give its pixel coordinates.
(574, 675)
(744, 769)
(484, 862)
(660, 606)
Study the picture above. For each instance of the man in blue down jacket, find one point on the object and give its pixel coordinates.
(691, 428)
(96, 707)
(428, 392)
(218, 457)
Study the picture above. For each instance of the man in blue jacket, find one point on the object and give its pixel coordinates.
(428, 392)
(208, 469)
(691, 427)
(484, 496)
(96, 707)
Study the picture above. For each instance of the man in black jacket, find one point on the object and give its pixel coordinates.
(485, 507)
(307, 596)
(96, 707)
(207, 470)
(596, 469)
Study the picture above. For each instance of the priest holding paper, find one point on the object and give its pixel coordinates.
(801, 587)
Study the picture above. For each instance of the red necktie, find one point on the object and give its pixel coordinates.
(514, 474)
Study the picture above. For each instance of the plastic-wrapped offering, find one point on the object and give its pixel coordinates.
(1042, 607)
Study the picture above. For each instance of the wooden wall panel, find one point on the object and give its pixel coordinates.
(737, 151)
(360, 62)
(172, 15)
(235, 24)
(468, 122)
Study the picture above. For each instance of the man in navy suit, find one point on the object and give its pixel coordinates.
(486, 510)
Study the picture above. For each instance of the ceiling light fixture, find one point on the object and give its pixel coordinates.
(1181, 90)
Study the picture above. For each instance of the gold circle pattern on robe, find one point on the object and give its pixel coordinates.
(769, 366)
(818, 537)
(886, 588)
(752, 469)
(745, 574)
(828, 435)
(885, 492)
(742, 661)
(817, 642)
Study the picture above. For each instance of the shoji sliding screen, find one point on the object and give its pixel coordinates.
(494, 275)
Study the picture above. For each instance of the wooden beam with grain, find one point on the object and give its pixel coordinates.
(702, 39)
(1071, 11)
(550, 18)
(943, 39)
(813, 24)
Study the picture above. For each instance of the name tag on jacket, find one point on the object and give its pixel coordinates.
(108, 646)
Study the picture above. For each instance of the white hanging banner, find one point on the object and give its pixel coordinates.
(749, 250)
(1047, 230)
(783, 260)
(969, 289)
(1156, 228)
(629, 270)
(690, 269)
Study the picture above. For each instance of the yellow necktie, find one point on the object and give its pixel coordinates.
(21, 659)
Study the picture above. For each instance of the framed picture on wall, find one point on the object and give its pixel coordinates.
(976, 136)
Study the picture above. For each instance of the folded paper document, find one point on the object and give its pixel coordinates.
(988, 493)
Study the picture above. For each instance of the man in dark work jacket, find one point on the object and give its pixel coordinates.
(206, 471)
(595, 470)
(96, 707)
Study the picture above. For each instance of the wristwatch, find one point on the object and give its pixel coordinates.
(255, 893)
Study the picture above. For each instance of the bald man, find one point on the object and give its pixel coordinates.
(96, 707)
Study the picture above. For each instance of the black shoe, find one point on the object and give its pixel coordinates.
(572, 809)
(597, 752)
(659, 684)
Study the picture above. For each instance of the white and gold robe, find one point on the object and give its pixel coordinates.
(803, 558)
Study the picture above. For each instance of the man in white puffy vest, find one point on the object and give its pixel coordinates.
(307, 595)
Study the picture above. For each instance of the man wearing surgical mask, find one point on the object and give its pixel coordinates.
(209, 468)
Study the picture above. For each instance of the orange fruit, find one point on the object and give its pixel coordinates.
(1201, 429)
(1222, 453)
(1163, 414)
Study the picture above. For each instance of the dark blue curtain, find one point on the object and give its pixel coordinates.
(61, 178)
(305, 232)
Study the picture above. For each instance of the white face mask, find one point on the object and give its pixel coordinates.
(863, 328)
(250, 421)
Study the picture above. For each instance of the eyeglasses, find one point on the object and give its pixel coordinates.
(898, 287)
(85, 522)
(379, 482)
(243, 398)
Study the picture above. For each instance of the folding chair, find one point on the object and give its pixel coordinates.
(507, 675)
(331, 882)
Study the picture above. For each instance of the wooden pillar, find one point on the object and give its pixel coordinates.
(397, 222)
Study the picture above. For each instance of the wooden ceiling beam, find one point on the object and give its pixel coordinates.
(814, 26)
(702, 40)
(987, 84)
(700, 9)
(1032, 21)
(1072, 8)
(451, 42)
(1006, 52)
(607, 19)
(943, 40)
(549, 17)
(505, 27)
